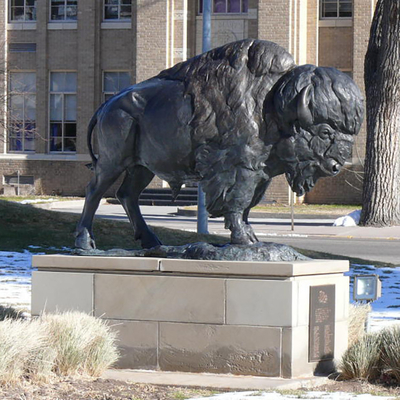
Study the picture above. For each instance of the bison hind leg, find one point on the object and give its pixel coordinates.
(135, 181)
(104, 177)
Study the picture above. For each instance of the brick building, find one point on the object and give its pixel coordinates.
(63, 58)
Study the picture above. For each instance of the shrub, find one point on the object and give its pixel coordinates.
(65, 344)
(23, 350)
(83, 344)
(362, 360)
(390, 339)
(358, 314)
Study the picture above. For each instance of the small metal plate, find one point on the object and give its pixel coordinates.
(322, 323)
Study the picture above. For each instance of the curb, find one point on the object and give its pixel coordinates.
(213, 381)
(258, 214)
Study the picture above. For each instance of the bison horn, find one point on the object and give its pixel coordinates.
(303, 111)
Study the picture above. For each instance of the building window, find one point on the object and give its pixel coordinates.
(114, 82)
(22, 112)
(63, 111)
(64, 10)
(336, 8)
(117, 9)
(226, 6)
(22, 10)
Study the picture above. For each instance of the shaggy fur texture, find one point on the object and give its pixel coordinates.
(228, 87)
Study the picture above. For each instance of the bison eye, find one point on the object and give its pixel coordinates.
(325, 132)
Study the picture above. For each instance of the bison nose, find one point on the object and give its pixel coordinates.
(333, 167)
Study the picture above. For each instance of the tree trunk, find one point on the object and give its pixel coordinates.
(381, 192)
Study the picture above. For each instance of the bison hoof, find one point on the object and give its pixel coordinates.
(245, 236)
(149, 240)
(84, 240)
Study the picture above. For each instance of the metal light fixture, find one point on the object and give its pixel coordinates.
(367, 287)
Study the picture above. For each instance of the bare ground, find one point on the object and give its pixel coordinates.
(106, 389)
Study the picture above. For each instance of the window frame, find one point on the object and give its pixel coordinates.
(321, 8)
(241, 12)
(24, 121)
(119, 5)
(25, 6)
(108, 94)
(65, 19)
(63, 120)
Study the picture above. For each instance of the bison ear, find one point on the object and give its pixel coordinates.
(303, 111)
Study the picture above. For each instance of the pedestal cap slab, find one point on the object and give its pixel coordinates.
(95, 262)
(261, 268)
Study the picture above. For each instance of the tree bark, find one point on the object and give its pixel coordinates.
(381, 191)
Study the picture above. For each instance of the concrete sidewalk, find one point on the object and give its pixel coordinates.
(213, 381)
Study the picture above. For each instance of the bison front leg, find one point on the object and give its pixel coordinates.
(241, 233)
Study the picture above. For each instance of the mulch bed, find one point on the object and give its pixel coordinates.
(108, 389)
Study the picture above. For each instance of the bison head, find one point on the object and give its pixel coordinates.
(318, 112)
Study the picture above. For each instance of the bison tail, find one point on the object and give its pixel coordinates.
(90, 129)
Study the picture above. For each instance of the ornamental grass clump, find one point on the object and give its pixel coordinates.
(358, 314)
(390, 339)
(61, 344)
(24, 350)
(83, 344)
(362, 360)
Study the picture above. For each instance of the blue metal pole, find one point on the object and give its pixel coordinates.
(202, 215)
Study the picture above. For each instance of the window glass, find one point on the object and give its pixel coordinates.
(63, 82)
(17, 106)
(234, 6)
(56, 107)
(220, 6)
(117, 9)
(63, 111)
(124, 80)
(114, 82)
(226, 6)
(336, 8)
(22, 112)
(22, 10)
(64, 10)
(30, 107)
(70, 107)
(345, 9)
(23, 82)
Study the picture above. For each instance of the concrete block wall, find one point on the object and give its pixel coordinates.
(248, 318)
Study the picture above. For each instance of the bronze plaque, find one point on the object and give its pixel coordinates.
(322, 323)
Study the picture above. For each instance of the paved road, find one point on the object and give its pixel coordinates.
(376, 244)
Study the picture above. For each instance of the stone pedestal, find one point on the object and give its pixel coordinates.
(277, 319)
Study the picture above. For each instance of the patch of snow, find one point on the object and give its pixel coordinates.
(306, 395)
(15, 279)
(351, 219)
(34, 201)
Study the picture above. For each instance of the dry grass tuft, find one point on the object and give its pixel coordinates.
(362, 360)
(358, 314)
(83, 344)
(65, 344)
(374, 356)
(390, 339)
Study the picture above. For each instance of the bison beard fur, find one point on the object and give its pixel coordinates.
(232, 118)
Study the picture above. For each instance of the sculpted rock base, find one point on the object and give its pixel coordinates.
(260, 251)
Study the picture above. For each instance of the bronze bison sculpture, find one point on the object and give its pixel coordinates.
(232, 119)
